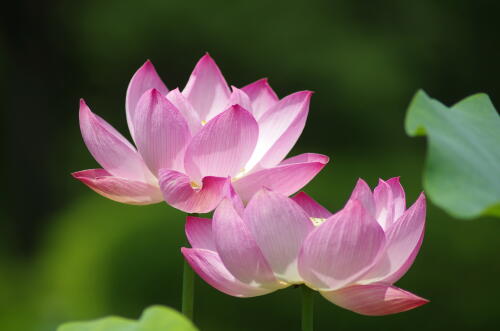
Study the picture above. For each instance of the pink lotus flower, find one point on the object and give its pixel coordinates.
(191, 143)
(352, 257)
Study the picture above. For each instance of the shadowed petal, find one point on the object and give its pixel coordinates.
(119, 189)
(374, 300)
(199, 233)
(279, 129)
(207, 90)
(209, 266)
(161, 132)
(144, 79)
(279, 227)
(287, 178)
(231, 194)
(363, 194)
(342, 249)
(179, 193)
(183, 105)
(110, 149)
(237, 247)
(262, 97)
(223, 145)
(310, 206)
(238, 97)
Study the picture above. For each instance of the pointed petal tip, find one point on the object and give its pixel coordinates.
(206, 58)
(361, 181)
(83, 107)
(375, 299)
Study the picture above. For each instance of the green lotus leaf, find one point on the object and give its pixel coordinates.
(155, 318)
(462, 171)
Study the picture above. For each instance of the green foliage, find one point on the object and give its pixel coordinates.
(462, 173)
(154, 318)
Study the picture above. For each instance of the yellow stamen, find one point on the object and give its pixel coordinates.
(203, 122)
(317, 221)
(194, 185)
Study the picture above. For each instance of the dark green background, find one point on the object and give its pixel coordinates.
(67, 253)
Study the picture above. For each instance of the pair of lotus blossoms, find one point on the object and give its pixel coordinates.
(209, 147)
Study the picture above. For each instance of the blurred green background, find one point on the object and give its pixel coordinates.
(67, 253)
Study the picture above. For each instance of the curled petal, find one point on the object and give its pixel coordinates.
(199, 233)
(262, 97)
(208, 265)
(144, 79)
(186, 109)
(223, 145)
(237, 247)
(280, 127)
(179, 192)
(119, 189)
(342, 249)
(286, 178)
(110, 149)
(207, 89)
(279, 227)
(404, 239)
(374, 300)
(161, 132)
(311, 207)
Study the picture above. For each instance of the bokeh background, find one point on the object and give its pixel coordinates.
(67, 253)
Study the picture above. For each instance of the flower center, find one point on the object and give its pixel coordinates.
(203, 122)
(317, 221)
(194, 185)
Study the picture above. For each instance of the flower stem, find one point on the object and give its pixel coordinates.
(188, 288)
(187, 291)
(307, 308)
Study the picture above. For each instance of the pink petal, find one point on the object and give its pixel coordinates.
(374, 300)
(237, 247)
(404, 239)
(341, 250)
(144, 79)
(279, 226)
(199, 233)
(262, 97)
(209, 267)
(207, 89)
(384, 207)
(183, 105)
(279, 129)
(238, 97)
(389, 200)
(161, 132)
(223, 145)
(287, 178)
(179, 193)
(119, 189)
(310, 206)
(231, 194)
(363, 193)
(110, 149)
(398, 195)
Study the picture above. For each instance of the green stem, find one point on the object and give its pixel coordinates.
(187, 291)
(307, 308)
(188, 288)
